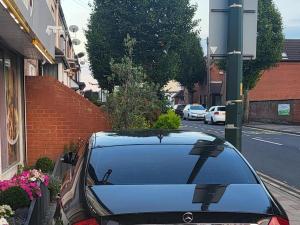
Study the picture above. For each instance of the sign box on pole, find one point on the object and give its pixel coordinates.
(218, 28)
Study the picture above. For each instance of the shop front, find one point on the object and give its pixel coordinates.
(12, 137)
(21, 37)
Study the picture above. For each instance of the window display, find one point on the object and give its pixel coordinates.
(10, 109)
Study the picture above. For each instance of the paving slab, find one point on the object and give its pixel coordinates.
(290, 203)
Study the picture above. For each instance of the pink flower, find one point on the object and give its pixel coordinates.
(28, 181)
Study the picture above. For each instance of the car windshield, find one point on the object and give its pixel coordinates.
(197, 107)
(167, 164)
(222, 109)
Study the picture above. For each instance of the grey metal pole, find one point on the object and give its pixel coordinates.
(234, 88)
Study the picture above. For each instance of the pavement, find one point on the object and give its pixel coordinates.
(273, 151)
(292, 129)
(290, 202)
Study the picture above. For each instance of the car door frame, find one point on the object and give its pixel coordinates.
(211, 109)
(185, 110)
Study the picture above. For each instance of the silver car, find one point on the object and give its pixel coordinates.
(194, 112)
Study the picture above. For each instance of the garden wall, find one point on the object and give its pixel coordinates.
(57, 115)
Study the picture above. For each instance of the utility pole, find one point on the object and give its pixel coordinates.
(208, 101)
(234, 88)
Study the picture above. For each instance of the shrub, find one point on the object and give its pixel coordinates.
(44, 164)
(54, 187)
(72, 147)
(168, 121)
(135, 103)
(139, 122)
(15, 197)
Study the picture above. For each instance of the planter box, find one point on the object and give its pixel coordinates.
(36, 213)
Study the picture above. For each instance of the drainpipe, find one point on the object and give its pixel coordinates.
(56, 21)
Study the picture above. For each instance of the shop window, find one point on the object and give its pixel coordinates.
(10, 108)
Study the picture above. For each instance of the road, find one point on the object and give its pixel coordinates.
(275, 154)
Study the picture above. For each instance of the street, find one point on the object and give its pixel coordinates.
(272, 153)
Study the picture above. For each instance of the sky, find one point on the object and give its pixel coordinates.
(77, 13)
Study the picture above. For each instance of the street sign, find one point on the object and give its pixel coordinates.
(218, 28)
(284, 109)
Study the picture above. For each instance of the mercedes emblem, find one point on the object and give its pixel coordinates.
(187, 217)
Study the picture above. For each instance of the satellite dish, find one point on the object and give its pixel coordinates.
(76, 41)
(82, 62)
(80, 54)
(73, 28)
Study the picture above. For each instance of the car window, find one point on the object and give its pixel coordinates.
(167, 164)
(211, 109)
(222, 109)
(197, 107)
(187, 107)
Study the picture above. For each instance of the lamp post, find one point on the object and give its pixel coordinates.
(234, 89)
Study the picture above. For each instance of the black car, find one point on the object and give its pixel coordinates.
(179, 109)
(154, 177)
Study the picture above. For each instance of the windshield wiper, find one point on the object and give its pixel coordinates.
(105, 178)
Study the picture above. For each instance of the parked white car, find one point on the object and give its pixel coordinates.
(194, 112)
(215, 114)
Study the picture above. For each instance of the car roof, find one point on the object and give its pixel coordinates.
(153, 137)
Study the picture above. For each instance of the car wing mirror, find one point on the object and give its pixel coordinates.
(69, 158)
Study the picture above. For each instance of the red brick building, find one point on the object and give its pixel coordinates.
(212, 94)
(276, 97)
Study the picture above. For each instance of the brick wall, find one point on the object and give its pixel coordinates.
(278, 83)
(267, 111)
(200, 95)
(57, 115)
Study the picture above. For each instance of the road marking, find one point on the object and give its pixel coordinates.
(274, 132)
(270, 142)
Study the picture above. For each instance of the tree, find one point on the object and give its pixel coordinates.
(193, 66)
(134, 103)
(92, 96)
(270, 40)
(159, 27)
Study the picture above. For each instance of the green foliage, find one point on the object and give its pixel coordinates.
(168, 121)
(44, 164)
(139, 122)
(193, 65)
(72, 147)
(159, 27)
(92, 96)
(54, 187)
(269, 43)
(135, 100)
(15, 197)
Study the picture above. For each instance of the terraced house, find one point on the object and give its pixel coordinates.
(22, 36)
(39, 72)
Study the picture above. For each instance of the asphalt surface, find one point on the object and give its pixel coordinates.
(273, 153)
